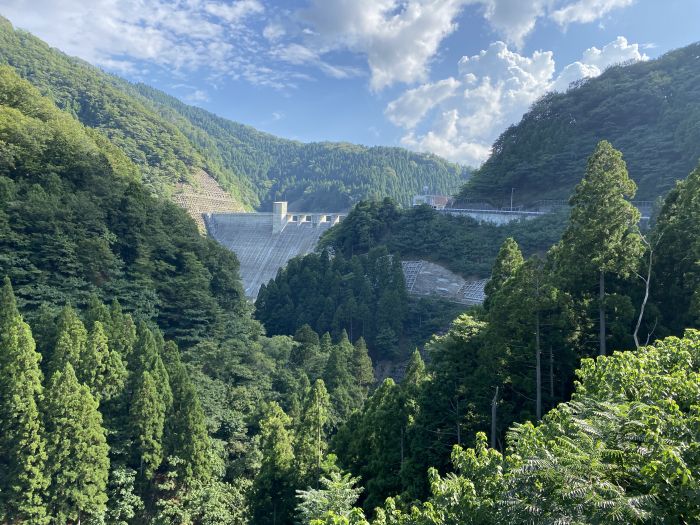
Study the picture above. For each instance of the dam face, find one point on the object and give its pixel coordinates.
(264, 242)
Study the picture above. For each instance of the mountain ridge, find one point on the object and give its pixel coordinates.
(170, 140)
(649, 110)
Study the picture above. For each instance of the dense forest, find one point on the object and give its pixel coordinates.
(649, 110)
(364, 296)
(138, 386)
(462, 244)
(167, 139)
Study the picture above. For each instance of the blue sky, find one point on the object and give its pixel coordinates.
(445, 76)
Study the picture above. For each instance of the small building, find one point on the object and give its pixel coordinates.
(437, 202)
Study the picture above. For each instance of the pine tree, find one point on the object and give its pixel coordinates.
(273, 488)
(508, 260)
(77, 450)
(22, 449)
(147, 419)
(311, 433)
(602, 235)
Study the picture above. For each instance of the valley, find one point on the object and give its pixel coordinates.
(205, 324)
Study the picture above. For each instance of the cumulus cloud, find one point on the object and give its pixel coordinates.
(398, 37)
(595, 61)
(514, 19)
(410, 108)
(459, 118)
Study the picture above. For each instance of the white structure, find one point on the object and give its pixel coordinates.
(265, 242)
(437, 202)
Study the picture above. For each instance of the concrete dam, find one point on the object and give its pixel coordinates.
(265, 242)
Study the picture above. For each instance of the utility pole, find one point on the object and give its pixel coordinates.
(511, 198)
(494, 408)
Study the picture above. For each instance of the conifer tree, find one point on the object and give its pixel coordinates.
(273, 488)
(602, 235)
(101, 369)
(508, 260)
(78, 455)
(71, 341)
(121, 331)
(23, 477)
(147, 419)
(146, 357)
(311, 433)
(409, 402)
(187, 434)
(339, 380)
(362, 366)
(96, 311)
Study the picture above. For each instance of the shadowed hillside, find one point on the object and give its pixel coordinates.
(648, 110)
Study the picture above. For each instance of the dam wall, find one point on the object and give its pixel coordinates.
(265, 242)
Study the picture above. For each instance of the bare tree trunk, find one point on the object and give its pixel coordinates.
(601, 311)
(538, 366)
(647, 282)
(494, 413)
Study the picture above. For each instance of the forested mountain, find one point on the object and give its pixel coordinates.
(137, 387)
(462, 244)
(648, 110)
(146, 410)
(167, 139)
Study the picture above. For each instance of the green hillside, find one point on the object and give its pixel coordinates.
(168, 139)
(648, 110)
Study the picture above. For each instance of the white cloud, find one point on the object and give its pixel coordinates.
(236, 11)
(514, 19)
(274, 32)
(398, 37)
(586, 11)
(410, 108)
(460, 118)
(595, 61)
(197, 96)
(298, 55)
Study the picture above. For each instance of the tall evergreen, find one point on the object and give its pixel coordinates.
(23, 476)
(361, 364)
(311, 434)
(101, 369)
(147, 420)
(71, 342)
(78, 455)
(273, 488)
(186, 431)
(508, 260)
(602, 236)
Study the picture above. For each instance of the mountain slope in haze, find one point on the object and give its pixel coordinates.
(648, 110)
(170, 140)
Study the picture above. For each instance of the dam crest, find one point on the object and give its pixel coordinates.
(265, 241)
